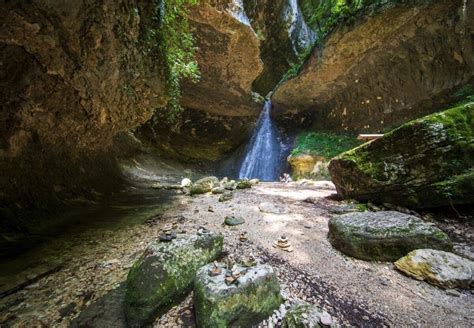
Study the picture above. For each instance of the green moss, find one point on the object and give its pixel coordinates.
(169, 40)
(322, 144)
(236, 306)
(164, 275)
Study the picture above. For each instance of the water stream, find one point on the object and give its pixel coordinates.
(263, 153)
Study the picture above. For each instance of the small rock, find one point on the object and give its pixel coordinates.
(218, 190)
(326, 319)
(226, 196)
(233, 220)
(243, 184)
(186, 182)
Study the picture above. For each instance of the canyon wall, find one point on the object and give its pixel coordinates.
(73, 76)
(387, 67)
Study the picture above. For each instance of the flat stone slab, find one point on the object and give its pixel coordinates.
(384, 235)
(439, 268)
(245, 303)
(164, 274)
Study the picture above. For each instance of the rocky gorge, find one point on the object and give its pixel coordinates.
(126, 127)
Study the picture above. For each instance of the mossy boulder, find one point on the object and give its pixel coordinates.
(244, 184)
(253, 298)
(442, 269)
(164, 275)
(204, 185)
(303, 315)
(425, 163)
(383, 236)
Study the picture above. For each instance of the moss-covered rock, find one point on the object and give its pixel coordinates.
(303, 315)
(442, 269)
(228, 195)
(164, 275)
(425, 163)
(244, 184)
(204, 185)
(383, 236)
(243, 304)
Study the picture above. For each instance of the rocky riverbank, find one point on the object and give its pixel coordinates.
(352, 292)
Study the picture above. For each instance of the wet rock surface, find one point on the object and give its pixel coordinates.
(442, 269)
(164, 274)
(435, 170)
(244, 303)
(384, 235)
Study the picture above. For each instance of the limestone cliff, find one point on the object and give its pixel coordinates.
(387, 67)
(219, 110)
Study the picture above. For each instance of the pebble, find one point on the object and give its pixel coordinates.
(326, 319)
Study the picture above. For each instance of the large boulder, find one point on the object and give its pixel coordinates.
(376, 70)
(442, 269)
(383, 236)
(164, 275)
(425, 163)
(253, 298)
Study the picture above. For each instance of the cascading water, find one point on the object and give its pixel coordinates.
(262, 155)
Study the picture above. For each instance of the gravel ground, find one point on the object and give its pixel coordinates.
(355, 293)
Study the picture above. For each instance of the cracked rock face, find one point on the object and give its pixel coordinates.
(389, 67)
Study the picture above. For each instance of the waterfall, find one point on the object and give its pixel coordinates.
(262, 155)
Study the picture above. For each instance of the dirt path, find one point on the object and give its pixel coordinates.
(356, 293)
